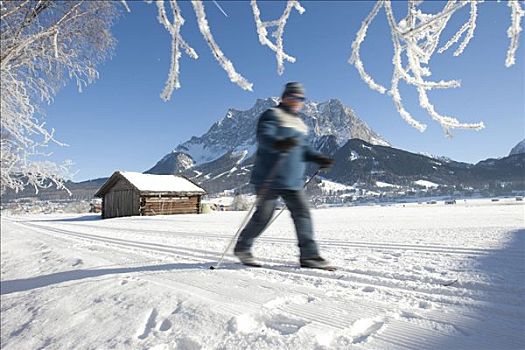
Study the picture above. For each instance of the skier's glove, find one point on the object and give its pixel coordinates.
(324, 162)
(284, 145)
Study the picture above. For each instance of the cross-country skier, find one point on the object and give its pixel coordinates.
(281, 137)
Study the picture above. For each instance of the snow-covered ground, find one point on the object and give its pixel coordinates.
(410, 277)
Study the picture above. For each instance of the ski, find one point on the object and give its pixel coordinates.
(324, 268)
(295, 267)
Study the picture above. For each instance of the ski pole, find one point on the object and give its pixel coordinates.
(260, 195)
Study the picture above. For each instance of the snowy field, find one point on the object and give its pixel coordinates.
(414, 277)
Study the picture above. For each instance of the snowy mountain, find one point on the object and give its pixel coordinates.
(172, 163)
(358, 161)
(229, 172)
(235, 132)
(221, 159)
(519, 148)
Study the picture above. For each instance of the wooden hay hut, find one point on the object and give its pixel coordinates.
(129, 193)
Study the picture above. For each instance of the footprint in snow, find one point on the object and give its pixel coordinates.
(368, 289)
(248, 323)
(149, 324)
(364, 328)
(187, 343)
(165, 325)
(74, 262)
(284, 324)
(291, 299)
(425, 305)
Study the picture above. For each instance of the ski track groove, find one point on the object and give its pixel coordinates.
(329, 242)
(311, 275)
(411, 336)
(465, 319)
(240, 303)
(396, 333)
(444, 292)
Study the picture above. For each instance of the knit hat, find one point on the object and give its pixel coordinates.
(293, 88)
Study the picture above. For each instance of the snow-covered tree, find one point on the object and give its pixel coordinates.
(240, 203)
(43, 44)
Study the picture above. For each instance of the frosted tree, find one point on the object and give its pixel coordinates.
(415, 39)
(43, 44)
(240, 203)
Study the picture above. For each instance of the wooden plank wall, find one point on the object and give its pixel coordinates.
(153, 205)
(121, 200)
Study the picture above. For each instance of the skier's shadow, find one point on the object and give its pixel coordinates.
(26, 284)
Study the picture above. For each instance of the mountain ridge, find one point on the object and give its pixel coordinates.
(236, 131)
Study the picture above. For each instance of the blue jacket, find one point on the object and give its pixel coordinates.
(277, 124)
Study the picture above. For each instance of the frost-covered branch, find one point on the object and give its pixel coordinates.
(514, 31)
(198, 6)
(415, 39)
(468, 27)
(278, 48)
(125, 4)
(177, 42)
(418, 51)
(355, 59)
(224, 62)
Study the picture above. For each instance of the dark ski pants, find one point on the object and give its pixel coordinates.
(298, 206)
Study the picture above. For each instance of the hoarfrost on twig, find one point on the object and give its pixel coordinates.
(280, 23)
(514, 31)
(177, 42)
(415, 39)
(224, 62)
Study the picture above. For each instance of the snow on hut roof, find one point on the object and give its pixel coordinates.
(160, 183)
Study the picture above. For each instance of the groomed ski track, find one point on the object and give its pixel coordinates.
(151, 275)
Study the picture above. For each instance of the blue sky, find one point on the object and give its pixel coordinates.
(120, 122)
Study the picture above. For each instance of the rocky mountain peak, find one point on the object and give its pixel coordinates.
(519, 148)
(235, 131)
(172, 163)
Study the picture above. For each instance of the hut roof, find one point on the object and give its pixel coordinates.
(152, 183)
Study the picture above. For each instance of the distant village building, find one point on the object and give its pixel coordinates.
(95, 206)
(221, 203)
(130, 193)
